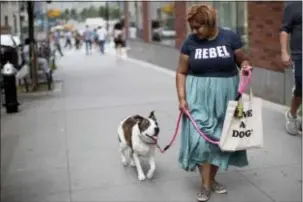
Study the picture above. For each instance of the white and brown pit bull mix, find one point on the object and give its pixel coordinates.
(138, 137)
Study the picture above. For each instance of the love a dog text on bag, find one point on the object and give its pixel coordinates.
(248, 113)
(245, 133)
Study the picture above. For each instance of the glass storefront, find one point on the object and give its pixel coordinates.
(135, 19)
(233, 15)
(162, 22)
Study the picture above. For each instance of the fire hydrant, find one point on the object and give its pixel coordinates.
(10, 89)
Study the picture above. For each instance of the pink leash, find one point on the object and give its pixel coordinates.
(244, 82)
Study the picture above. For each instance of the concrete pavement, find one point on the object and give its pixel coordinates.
(63, 146)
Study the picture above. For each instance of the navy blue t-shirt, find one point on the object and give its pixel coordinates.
(213, 58)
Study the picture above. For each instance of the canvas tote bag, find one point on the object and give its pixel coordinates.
(246, 131)
(239, 132)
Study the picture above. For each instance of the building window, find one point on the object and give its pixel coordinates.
(233, 15)
(242, 22)
(135, 19)
(6, 20)
(162, 22)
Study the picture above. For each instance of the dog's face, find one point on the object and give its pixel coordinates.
(149, 127)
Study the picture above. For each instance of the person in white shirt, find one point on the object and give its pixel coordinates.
(57, 41)
(68, 36)
(102, 33)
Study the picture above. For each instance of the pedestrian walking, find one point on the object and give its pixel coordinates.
(292, 27)
(77, 39)
(207, 79)
(88, 35)
(57, 38)
(118, 38)
(102, 34)
(95, 38)
(68, 39)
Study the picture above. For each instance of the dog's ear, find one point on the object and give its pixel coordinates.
(152, 115)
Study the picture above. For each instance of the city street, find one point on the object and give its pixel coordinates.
(63, 146)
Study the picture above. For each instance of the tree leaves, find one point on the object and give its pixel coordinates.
(114, 12)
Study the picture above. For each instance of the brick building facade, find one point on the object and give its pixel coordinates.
(264, 20)
(262, 24)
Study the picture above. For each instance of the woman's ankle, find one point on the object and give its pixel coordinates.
(206, 186)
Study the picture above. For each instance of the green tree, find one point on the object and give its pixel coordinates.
(93, 12)
(115, 13)
(62, 16)
(102, 11)
(73, 13)
(83, 13)
(66, 14)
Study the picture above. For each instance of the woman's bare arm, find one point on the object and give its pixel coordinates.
(181, 74)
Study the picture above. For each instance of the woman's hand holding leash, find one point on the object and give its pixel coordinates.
(245, 68)
(183, 105)
(244, 83)
(245, 78)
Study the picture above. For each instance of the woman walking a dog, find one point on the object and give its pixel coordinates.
(207, 78)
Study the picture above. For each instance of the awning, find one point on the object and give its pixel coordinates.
(9, 40)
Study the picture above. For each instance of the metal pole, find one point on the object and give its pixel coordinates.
(33, 67)
(45, 19)
(46, 29)
(107, 15)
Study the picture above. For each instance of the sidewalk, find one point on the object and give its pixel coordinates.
(63, 147)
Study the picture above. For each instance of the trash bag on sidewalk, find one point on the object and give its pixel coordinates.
(23, 72)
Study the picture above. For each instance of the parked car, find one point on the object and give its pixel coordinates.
(168, 33)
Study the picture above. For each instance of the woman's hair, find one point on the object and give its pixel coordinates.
(204, 15)
(118, 26)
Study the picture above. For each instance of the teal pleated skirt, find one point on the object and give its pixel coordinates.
(207, 98)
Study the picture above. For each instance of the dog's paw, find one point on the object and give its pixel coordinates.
(150, 174)
(132, 163)
(124, 162)
(141, 177)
